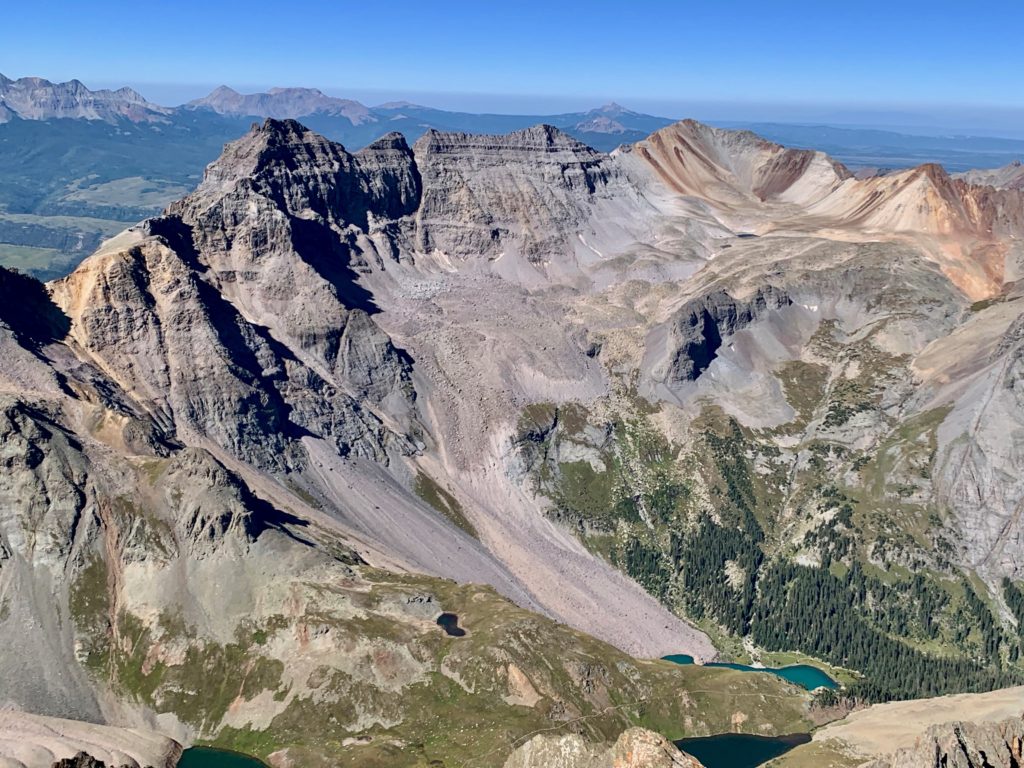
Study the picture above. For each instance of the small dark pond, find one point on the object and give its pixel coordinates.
(803, 675)
(679, 658)
(740, 750)
(207, 757)
(449, 622)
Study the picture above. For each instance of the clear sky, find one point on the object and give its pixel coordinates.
(903, 59)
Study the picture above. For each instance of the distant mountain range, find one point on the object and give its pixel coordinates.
(889, 150)
(355, 124)
(344, 120)
(281, 103)
(33, 98)
(77, 164)
(225, 113)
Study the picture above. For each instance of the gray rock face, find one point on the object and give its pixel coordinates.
(83, 760)
(211, 505)
(304, 174)
(66, 507)
(981, 458)
(283, 218)
(42, 485)
(698, 329)
(963, 745)
(526, 191)
(635, 748)
(45, 514)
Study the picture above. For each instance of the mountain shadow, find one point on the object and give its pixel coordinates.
(27, 309)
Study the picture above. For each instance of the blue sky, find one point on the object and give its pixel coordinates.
(902, 59)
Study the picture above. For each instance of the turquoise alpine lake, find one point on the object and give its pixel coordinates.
(207, 757)
(739, 750)
(803, 675)
(679, 658)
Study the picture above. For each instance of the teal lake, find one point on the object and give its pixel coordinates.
(679, 658)
(803, 675)
(739, 750)
(204, 757)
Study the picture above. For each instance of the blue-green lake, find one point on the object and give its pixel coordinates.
(679, 658)
(739, 750)
(205, 757)
(803, 675)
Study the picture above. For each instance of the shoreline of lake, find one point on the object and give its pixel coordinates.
(739, 750)
(805, 675)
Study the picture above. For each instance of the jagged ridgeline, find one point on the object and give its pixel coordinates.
(402, 456)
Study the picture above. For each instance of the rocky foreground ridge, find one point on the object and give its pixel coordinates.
(257, 446)
(963, 745)
(33, 740)
(635, 748)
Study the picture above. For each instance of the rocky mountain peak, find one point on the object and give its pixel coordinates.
(34, 98)
(251, 280)
(302, 174)
(729, 166)
(130, 94)
(281, 103)
(612, 109)
(549, 136)
(281, 129)
(273, 148)
(934, 172)
(393, 140)
(223, 91)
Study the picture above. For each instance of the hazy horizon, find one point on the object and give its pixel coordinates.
(923, 119)
(875, 64)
